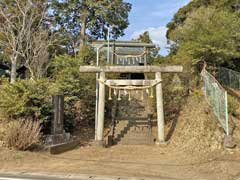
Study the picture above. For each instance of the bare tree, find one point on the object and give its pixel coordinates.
(23, 35)
(36, 55)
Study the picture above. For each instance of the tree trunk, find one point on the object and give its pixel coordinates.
(13, 69)
(83, 33)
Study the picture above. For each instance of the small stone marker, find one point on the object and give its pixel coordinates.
(59, 141)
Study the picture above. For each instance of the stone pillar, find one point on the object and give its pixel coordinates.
(160, 113)
(101, 108)
(57, 123)
(58, 135)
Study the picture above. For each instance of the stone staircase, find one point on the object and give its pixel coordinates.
(132, 122)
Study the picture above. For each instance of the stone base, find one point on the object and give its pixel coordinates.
(228, 142)
(162, 143)
(98, 143)
(63, 147)
(57, 138)
(59, 143)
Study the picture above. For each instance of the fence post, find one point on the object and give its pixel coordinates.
(229, 77)
(226, 113)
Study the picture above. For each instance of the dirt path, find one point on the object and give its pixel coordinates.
(138, 161)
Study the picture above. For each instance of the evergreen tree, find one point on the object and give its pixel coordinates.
(82, 19)
(145, 38)
(209, 33)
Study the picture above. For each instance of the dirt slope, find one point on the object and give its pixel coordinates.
(197, 128)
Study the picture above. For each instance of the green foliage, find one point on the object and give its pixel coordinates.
(211, 35)
(27, 99)
(154, 52)
(89, 18)
(87, 55)
(184, 12)
(144, 37)
(206, 30)
(78, 90)
(24, 99)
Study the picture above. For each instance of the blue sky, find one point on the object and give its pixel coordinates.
(152, 16)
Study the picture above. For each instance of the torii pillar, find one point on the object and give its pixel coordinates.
(101, 109)
(160, 112)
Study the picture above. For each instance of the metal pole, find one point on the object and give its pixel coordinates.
(226, 113)
(108, 50)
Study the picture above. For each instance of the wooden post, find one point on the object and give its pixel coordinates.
(160, 114)
(101, 107)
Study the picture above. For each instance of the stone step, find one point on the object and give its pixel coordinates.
(135, 138)
(145, 131)
(134, 130)
(132, 134)
(131, 131)
(133, 122)
(137, 126)
(135, 141)
(132, 126)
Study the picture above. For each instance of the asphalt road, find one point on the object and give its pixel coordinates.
(27, 177)
(23, 176)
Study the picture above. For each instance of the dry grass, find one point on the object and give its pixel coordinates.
(198, 130)
(21, 135)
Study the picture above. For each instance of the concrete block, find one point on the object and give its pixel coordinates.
(63, 147)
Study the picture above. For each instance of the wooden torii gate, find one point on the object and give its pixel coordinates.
(130, 69)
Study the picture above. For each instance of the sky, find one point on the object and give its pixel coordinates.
(152, 16)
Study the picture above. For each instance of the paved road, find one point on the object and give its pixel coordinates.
(24, 176)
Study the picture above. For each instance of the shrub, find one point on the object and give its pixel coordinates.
(21, 135)
(26, 99)
(87, 55)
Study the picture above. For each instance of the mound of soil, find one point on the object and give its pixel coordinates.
(197, 128)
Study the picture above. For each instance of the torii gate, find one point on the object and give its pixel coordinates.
(130, 69)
